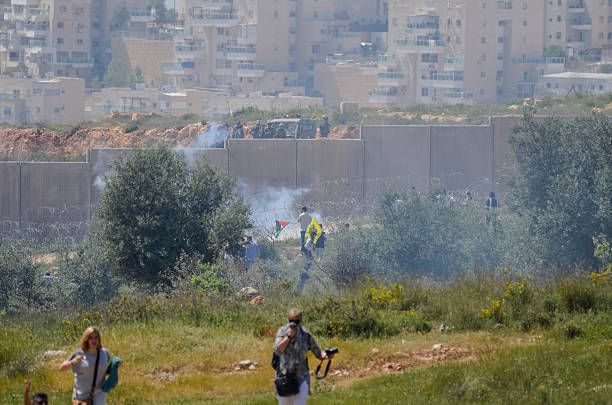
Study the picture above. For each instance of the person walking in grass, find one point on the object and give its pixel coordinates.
(291, 346)
(251, 252)
(320, 245)
(88, 379)
(304, 219)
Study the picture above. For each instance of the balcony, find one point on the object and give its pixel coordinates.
(251, 70)
(76, 62)
(240, 53)
(504, 4)
(448, 80)
(458, 97)
(346, 34)
(215, 19)
(139, 16)
(454, 64)
(386, 61)
(186, 51)
(383, 96)
(581, 24)
(294, 83)
(420, 46)
(173, 68)
(216, 4)
(391, 79)
(577, 8)
(538, 61)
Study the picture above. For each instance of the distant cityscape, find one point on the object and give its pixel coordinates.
(68, 61)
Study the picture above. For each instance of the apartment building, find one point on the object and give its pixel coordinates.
(582, 27)
(456, 51)
(56, 100)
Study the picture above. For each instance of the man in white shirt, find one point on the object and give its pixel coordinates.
(304, 219)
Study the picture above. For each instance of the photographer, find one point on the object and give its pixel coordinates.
(292, 374)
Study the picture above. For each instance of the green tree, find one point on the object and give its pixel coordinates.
(138, 75)
(121, 15)
(17, 276)
(554, 51)
(154, 207)
(562, 182)
(162, 14)
(117, 75)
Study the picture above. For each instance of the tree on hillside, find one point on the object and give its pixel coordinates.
(155, 207)
(563, 183)
(117, 75)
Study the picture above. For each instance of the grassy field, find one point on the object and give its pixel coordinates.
(549, 342)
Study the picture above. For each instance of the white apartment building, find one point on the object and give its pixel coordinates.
(483, 51)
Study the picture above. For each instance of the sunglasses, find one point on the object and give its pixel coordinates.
(295, 320)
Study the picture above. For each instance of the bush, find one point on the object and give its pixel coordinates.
(18, 275)
(209, 280)
(348, 259)
(572, 331)
(577, 296)
(17, 353)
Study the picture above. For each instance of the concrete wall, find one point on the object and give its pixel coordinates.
(461, 157)
(331, 169)
(54, 192)
(395, 156)
(9, 193)
(264, 162)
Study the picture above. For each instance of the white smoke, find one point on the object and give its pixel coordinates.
(214, 136)
(275, 203)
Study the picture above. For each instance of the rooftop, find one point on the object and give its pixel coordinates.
(577, 75)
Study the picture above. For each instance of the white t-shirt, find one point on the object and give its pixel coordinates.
(304, 219)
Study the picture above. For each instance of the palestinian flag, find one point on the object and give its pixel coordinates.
(280, 225)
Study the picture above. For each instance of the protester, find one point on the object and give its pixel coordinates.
(46, 280)
(320, 245)
(291, 346)
(324, 127)
(39, 398)
(251, 252)
(304, 220)
(281, 133)
(88, 378)
(269, 131)
(227, 254)
(492, 201)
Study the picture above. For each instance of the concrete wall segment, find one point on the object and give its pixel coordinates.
(9, 193)
(461, 157)
(395, 156)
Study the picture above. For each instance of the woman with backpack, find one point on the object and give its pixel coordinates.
(89, 364)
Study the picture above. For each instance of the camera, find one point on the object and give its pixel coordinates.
(331, 350)
(293, 325)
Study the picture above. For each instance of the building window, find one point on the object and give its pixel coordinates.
(60, 24)
(79, 41)
(60, 41)
(63, 9)
(524, 23)
(424, 91)
(483, 40)
(484, 5)
(482, 92)
(558, 35)
(458, 24)
(483, 74)
(558, 18)
(275, 14)
(601, 36)
(548, 85)
(8, 111)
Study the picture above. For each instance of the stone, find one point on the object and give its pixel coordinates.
(52, 354)
(438, 346)
(244, 364)
(248, 293)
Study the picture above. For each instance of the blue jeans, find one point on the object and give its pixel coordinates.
(303, 236)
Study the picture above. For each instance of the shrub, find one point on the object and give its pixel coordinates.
(209, 280)
(17, 353)
(130, 128)
(348, 260)
(18, 274)
(572, 331)
(577, 296)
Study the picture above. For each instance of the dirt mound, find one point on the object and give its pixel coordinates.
(23, 142)
(73, 143)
